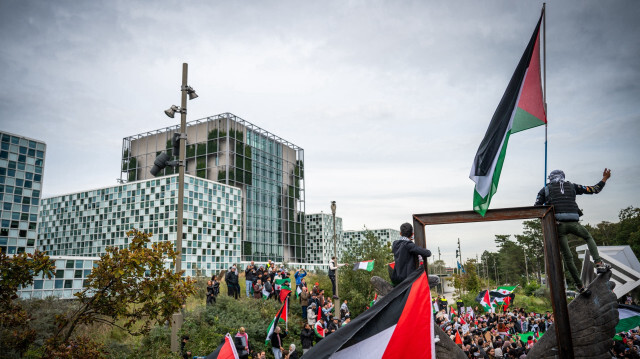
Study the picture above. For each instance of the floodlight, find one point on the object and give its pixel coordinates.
(172, 110)
(162, 160)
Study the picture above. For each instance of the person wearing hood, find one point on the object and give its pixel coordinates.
(562, 195)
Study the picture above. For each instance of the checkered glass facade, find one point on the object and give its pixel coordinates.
(86, 223)
(21, 168)
(319, 227)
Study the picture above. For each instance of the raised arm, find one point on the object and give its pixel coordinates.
(580, 189)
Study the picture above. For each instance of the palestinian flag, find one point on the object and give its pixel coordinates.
(226, 350)
(366, 265)
(281, 316)
(629, 317)
(507, 301)
(458, 339)
(486, 302)
(284, 292)
(435, 306)
(520, 108)
(298, 291)
(375, 299)
(318, 329)
(389, 329)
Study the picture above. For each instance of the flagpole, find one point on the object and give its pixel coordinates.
(286, 320)
(544, 89)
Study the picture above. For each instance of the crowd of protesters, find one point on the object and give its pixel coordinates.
(265, 282)
(510, 333)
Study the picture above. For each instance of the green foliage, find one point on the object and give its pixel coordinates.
(131, 285)
(207, 325)
(191, 151)
(468, 281)
(201, 167)
(212, 146)
(531, 288)
(16, 333)
(354, 285)
(201, 149)
(532, 304)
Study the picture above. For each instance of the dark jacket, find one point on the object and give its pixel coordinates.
(306, 338)
(250, 273)
(276, 339)
(231, 278)
(293, 355)
(404, 254)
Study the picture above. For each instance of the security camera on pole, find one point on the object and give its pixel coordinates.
(163, 160)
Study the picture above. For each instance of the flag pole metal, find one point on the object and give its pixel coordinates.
(544, 86)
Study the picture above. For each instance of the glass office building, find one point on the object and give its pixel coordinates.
(21, 169)
(319, 227)
(268, 170)
(84, 223)
(387, 235)
(69, 278)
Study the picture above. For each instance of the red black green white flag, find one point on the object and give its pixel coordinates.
(226, 350)
(520, 108)
(281, 316)
(400, 325)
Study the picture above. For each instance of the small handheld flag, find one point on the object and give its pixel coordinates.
(366, 265)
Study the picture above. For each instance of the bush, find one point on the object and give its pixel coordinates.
(530, 288)
(207, 325)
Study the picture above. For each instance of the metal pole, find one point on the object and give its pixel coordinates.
(526, 267)
(177, 317)
(495, 268)
(336, 302)
(544, 86)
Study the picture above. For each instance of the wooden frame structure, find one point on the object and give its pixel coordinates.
(553, 261)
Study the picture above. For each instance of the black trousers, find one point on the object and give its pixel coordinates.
(333, 283)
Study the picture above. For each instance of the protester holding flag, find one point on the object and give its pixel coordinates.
(562, 195)
(276, 342)
(306, 337)
(332, 275)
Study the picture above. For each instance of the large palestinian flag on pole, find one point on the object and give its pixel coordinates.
(398, 326)
(520, 108)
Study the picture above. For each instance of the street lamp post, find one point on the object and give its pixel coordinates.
(336, 302)
(185, 89)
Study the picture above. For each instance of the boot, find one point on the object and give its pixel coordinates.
(584, 291)
(601, 267)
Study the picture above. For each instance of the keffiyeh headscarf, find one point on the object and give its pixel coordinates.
(557, 176)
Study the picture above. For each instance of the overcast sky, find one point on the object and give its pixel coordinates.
(389, 99)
